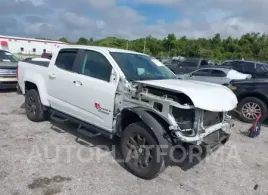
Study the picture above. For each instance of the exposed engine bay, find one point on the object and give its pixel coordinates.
(186, 122)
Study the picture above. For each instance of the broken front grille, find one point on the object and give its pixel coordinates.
(212, 118)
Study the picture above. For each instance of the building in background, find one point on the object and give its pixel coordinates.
(28, 46)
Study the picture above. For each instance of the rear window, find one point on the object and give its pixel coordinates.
(7, 57)
(65, 59)
(218, 73)
(189, 62)
(204, 63)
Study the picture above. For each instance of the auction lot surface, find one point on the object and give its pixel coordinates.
(37, 158)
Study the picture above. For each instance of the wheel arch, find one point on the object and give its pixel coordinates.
(255, 95)
(40, 88)
(153, 121)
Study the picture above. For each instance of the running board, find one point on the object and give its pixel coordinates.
(86, 129)
(86, 132)
(57, 119)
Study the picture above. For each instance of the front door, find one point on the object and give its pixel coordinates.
(95, 88)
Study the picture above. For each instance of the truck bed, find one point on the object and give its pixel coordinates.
(35, 69)
(37, 62)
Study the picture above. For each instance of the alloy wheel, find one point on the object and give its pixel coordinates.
(251, 110)
(139, 151)
(31, 105)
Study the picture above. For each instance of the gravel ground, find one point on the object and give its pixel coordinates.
(34, 159)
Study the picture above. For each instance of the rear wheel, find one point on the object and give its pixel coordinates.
(141, 152)
(33, 106)
(250, 108)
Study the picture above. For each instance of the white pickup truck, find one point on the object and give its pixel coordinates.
(113, 92)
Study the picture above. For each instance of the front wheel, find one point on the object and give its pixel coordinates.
(141, 152)
(250, 108)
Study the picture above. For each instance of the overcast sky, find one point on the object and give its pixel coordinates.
(131, 18)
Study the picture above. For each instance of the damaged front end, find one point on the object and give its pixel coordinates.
(187, 123)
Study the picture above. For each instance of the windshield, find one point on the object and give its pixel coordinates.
(7, 57)
(142, 67)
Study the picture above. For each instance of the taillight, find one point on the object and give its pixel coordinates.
(17, 72)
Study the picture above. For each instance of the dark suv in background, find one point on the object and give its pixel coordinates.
(187, 65)
(256, 69)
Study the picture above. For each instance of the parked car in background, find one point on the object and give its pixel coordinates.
(187, 66)
(256, 69)
(172, 62)
(252, 95)
(214, 75)
(8, 65)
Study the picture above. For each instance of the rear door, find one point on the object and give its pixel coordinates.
(218, 76)
(60, 86)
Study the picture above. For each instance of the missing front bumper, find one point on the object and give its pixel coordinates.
(207, 133)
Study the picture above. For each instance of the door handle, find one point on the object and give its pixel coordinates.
(52, 76)
(77, 83)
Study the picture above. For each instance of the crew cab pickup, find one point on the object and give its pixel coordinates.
(130, 95)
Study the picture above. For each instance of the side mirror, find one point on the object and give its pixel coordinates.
(190, 75)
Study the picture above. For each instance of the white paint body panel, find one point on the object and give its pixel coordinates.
(233, 74)
(207, 96)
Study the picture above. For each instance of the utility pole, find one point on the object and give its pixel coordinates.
(144, 46)
(169, 50)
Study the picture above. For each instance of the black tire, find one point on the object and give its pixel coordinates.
(156, 164)
(33, 106)
(249, 100)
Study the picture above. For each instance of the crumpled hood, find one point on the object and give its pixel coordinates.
(206, 96)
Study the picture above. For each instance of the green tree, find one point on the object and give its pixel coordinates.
(82, 41)
(64, 39)
(250, 46)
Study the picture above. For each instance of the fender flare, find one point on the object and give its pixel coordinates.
(156, 128)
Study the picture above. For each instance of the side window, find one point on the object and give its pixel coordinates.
(66, 58)
(260, 68)
(96, 65)
(205, 72)
(204, 63)
(248, 67)
(227, 63)
(188, 63)
(237, 66)
(175, 62)
(217, 73)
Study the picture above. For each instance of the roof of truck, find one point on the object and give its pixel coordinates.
(104, 49)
